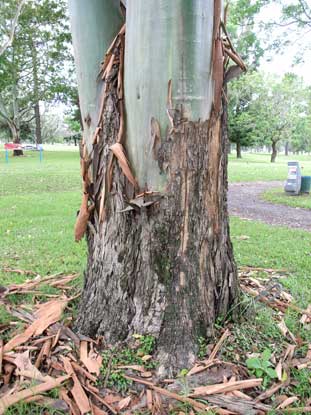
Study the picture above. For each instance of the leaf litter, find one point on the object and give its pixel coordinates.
(46, 354)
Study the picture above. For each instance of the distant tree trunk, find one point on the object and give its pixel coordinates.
(238, 150)
(160, 258)
(15, 133)
(274, 151)
(15, 124)
(286, 148)
(15, 137)
(38, 131)
(38, 124)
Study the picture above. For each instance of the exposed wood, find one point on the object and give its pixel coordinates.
(226, 387)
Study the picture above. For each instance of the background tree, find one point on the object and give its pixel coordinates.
(240, 98)
(241, 16)
(269, 111)
(160, 258)
(36, 68)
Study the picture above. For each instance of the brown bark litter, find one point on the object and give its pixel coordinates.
(74, 366)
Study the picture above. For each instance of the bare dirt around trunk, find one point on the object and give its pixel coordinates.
(245, 202)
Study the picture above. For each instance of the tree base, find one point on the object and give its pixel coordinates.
(166, 270)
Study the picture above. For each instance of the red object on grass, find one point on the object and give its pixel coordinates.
(12, 146)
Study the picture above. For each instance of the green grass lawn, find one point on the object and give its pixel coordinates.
(38, 204)
(257, 167)
(278, 196)
(38, 207)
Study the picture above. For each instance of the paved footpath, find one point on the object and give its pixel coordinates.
(245, 202)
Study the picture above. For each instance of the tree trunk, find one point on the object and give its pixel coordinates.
(160, 259)
(38, 130)
(38, 124)
(15, 138)
(238, 150)
(286, 148)
(274, 152)
(15, 124)
(14, 132)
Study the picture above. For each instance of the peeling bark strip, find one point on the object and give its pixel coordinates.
(97, 168)
(159, 264)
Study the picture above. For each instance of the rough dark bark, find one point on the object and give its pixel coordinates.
(238, 150)
(167, 269)
(274, 151)
(286, 148)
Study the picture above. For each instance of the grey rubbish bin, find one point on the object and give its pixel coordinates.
(293, 182)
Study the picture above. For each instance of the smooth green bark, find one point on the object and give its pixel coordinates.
(94, 24)
(165, 39)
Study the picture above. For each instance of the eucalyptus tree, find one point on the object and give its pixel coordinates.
(160, 259)
(278, 110)
(243, 26)
(43, 39)
(240, 98)
(37, 66)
